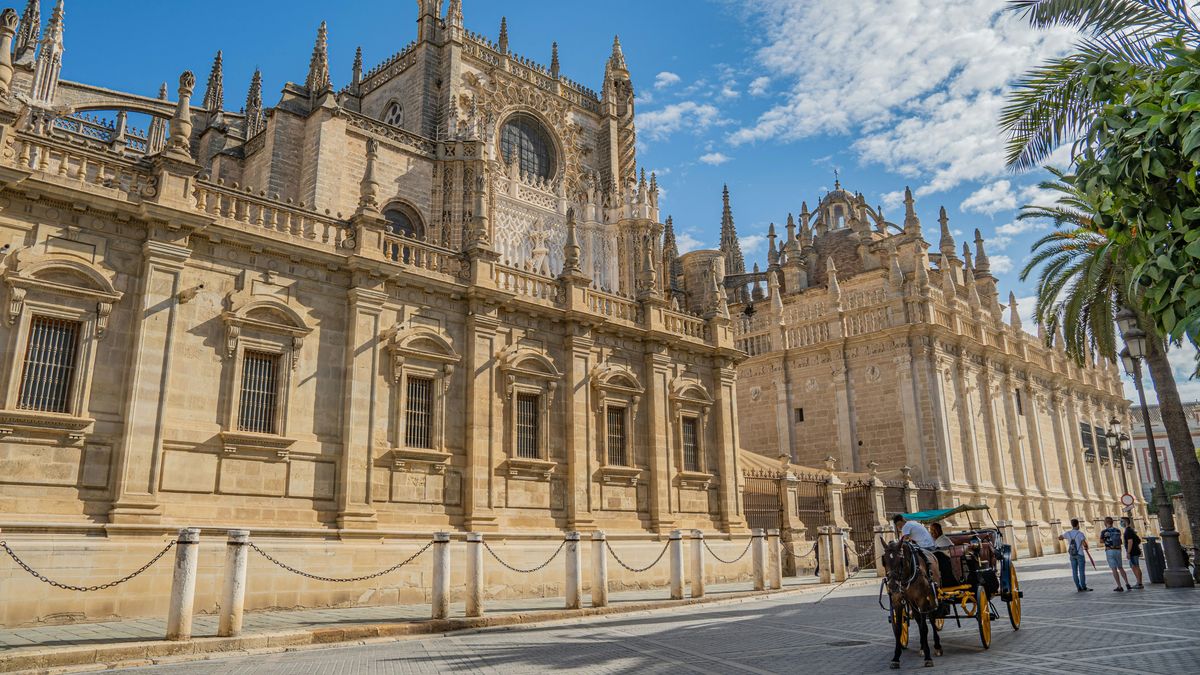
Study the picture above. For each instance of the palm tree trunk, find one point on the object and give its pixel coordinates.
(1179, 436)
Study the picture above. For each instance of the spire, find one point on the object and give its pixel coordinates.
(772, 250)
(969, 279)
(48, 64)
(946, 245)
(256, 121)
(1014, 316)
(368, 188)
(454, 14)
(911, 221)
(835, 289)
(895, 273)
(649, 275)
(8, 28)
(27, 37)
(922, 267)
(156, 135)
(318, 82)
(356, 69)
(617, 60)
(776, 295)
(791, 232)
(503, 41)
(671, 265)
(982, 266)
(554, 60)
(214, 94)
(571, 248)
(180, 142)
(947, 278)
(734, 263)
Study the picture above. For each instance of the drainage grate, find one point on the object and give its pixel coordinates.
(849, 643)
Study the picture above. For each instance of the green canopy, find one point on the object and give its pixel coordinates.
(933, 515)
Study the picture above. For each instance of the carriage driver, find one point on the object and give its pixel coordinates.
(911, 530)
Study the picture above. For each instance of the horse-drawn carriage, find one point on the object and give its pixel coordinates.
(976, 569)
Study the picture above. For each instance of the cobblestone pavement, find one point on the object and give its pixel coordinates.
(1150, 631)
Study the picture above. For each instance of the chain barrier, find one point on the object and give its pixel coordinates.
(729, 562)
(634, 569)
(519, 570)
(85, 589)
(791, 554)
(380, 573)
(851, 554)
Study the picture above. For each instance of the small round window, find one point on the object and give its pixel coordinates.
(524, 140)
(394, 115)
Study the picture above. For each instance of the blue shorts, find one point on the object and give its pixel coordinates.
(1114, 558)
(1134, 560)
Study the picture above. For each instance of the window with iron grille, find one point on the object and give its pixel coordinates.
(260, 393)
(418, 423)
(617, 454)
(524, 140)
(691, 444)
(798, 415)
(1020, 407)
(49, 368)
(1101, 442)
(1085, 435)
(529, 426)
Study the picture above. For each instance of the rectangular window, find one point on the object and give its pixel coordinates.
(1017, 396)
(260, 393)
(1085, 435)
(529, 426)
(617, 455)
(418, 423)
(49, 365)
(798, 414)
(1101, 442)
(691, 444)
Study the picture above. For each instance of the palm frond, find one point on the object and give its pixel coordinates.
(1100, 17)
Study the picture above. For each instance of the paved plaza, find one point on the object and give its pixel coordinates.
(1150, 631)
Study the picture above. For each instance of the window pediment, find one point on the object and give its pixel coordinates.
(59, 276)
(524, 362)
(266, 316)
(616, 379)
(420, 343)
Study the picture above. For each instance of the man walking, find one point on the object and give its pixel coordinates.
(1111, 538)
(1133, 547)
(1076, 549)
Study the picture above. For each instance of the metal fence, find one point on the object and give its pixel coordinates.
(812, 501)
(860, 516)
(761, 499)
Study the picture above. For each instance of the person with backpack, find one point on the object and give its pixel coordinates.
(1133, 547)
(1111, 538)
(1077, 547)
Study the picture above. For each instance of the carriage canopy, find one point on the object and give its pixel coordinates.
(934, 515)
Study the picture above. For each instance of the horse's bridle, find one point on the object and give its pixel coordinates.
(909, 555)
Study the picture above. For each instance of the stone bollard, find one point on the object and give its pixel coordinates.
(574, 572)
(233, 596)
(1033, 538)
(774, 561)
(758, 550)
(441, 575)
(1010, 537)
(474, 574)
(1060, 546)
(697, 575)
(837, 549)
(877, 543)
(183, 584)
(675, 550)
(824, 559)
(599, 571)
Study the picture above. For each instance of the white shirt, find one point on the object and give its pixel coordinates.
(917, 533)
(1078, 537)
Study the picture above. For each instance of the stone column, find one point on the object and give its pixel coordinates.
(474, 590)
(599, 571)
(578, 431)
(843, 405)
(792, 534)
(360, 402)
(1056, 529)
(658, 417)
(837, 549)
(758, 551)
(675, 553)
(183, 584)
(574, 575)
(1016, 444)
(233, 595)
(1033, 538)
(880, 536)
(726, 431)
(148, 383)
(441, 576)
(697, 574)
(1063, 447)
(824, 553)
(483, 436)
(774, 560)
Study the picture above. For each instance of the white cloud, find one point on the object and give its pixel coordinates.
(758, 86)
(1025, 307)
(1001, 264)
(893, 199)
(659, 124)
(752, 243)
(728, 91)
(715, 158)
(1003, 235)
(922, 100)
(665, 79)
(686, 242)
(991, 198)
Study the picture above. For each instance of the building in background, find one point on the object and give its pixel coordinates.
(864, 350)
(1141, 447)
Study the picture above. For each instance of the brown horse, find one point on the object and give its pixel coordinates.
(911, 595)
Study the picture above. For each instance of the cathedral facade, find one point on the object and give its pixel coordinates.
(433, 298)
(864, 350)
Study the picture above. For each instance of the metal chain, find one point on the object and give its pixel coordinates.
(85, 589)
(729, 562)
(636, 569)
(380, 573)
(811, 551)
(525, 571)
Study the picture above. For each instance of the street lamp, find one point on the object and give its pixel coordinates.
(1176, 574)
(1116, 451)
(1127, 456)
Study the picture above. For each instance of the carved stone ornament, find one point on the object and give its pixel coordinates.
(58, 277)
(259, 308)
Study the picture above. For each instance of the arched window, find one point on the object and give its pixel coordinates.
(402, 223)
(394, 114)
(523, 139)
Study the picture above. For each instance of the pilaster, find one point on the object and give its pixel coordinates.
(658, 448)
(359, 408)
(482, 424)
(578, 432)
(725, 418)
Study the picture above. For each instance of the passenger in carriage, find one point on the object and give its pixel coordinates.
(941, 544)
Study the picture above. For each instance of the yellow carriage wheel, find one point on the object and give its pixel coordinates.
(1014, 601)
(984, 616)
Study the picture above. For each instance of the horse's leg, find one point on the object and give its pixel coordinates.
(923, 625)
(937, 639)
(896, 634)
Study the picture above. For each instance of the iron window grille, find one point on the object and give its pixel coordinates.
(617, 451)
(418, 427)
(258, 412)
(529, 426)
(524, 140)
(691, 444)
(49, 369)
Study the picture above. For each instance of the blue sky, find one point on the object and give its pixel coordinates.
(770, 96)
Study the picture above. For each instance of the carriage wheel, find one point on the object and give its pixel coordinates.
(900, 626)
(983, 614)
(1014, 599)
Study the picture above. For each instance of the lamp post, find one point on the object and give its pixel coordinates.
(1127, 456)
(1116, 452)
(1176, 574)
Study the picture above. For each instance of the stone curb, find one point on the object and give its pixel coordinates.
(131, 654)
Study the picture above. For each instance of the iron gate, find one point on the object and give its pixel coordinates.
(760, 500)
(927, 496)
(812, 507)
(856, 501)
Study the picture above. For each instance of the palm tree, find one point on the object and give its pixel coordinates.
(1083, 282)
(1051, 105)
